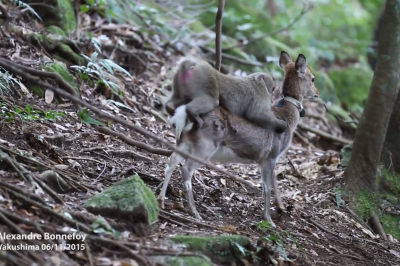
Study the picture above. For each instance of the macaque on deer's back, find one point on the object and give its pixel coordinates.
(202, 88)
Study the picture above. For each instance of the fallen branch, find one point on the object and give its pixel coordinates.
(322, 134)
(132, 142)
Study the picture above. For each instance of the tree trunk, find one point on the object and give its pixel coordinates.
(371, 131)
(391, 148)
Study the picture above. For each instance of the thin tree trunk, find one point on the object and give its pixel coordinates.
(371, 131)
(391, 147)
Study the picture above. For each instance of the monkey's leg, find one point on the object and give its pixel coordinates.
(200, 106)
(172, 104)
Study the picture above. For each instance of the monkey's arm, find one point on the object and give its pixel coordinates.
(266, 119)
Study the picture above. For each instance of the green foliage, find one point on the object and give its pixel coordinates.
(264, 226)
(352, 85)
(391, 224)
(101, 226)
(27, 7)
(96, 68)
(338, 195)
(85, 115)
(6, 80)
(28, 114)
(366, 202)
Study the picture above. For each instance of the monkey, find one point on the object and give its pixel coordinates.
(202, 88)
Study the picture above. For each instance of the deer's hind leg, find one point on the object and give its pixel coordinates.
(203, 149)
(173, 162)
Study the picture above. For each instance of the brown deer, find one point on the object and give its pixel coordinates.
(228, 138)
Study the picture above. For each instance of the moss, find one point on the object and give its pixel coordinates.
(57, 12)
(352, 84)
(36, 90)
(129, 197)
(366, 202)
(221, 249)
(389, 186)
(391, 225)
(67, 52)
(56, 30)
(68, 19)
(62, 70)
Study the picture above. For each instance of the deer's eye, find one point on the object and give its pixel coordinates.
(312, 79)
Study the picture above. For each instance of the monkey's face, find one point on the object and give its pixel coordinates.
(267, 80)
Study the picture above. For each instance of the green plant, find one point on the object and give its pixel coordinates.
(28, 113)
(96, 68)
(338, 194)
(26, 7)
(6, 79)
(263, 226)
(85, 115)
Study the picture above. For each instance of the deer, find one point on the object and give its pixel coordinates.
(227, 138)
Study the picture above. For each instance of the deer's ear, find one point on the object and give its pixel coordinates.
(284, 59)
(301, 64)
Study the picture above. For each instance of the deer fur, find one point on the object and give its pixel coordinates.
(228, 138)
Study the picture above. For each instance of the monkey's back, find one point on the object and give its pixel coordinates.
(238, 94)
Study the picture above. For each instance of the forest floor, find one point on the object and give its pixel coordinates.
(316, 228)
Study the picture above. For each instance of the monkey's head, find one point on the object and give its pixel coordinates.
(267, 80)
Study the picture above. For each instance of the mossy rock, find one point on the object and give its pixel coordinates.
(345, 154)
(352, 85)
(220, 249)
(59, 68)
(181, 260)
(57, 12)
(56, 30)
(128, 199)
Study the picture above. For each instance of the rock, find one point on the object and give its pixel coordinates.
(128, 199)
(221, 250)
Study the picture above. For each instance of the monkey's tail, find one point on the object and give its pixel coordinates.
(180, 122)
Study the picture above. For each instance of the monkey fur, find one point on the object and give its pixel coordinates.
(202, 88)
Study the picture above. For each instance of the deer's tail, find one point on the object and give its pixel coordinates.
(180, 122)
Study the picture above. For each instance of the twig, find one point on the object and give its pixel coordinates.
(321, 227)
(135, 256)
(46, 209)
(171, 220)
(322, 134)
(234, 58)
(21, 171)
(185, 220)
(285, 28)
(19, 190)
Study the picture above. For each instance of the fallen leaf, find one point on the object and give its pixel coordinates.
(61, 166)
(49, 96)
